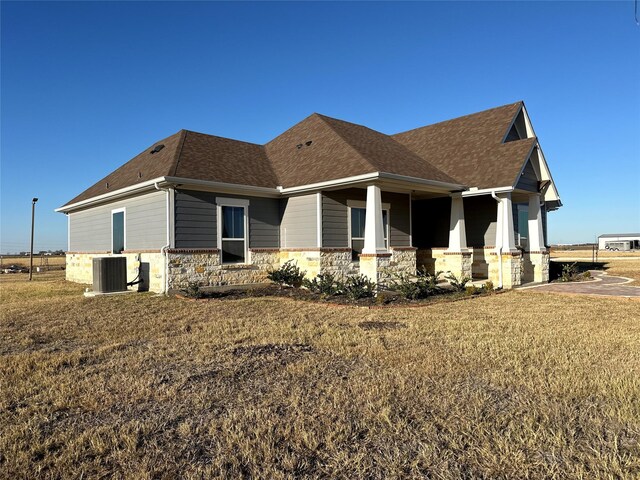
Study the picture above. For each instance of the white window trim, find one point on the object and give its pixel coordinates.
(361, 205)
(233, 202)
(124, 228)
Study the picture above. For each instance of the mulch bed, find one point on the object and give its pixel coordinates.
(385, 299)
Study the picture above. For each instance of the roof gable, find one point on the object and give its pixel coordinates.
(471, 149)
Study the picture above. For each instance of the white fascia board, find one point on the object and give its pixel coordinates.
(224, 187)
(113, 195)
(421, 181)
(486, 191)
(369, 177)
(331, 183)
(172, 181)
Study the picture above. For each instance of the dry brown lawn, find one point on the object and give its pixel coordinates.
(516, 385)
(56, 261)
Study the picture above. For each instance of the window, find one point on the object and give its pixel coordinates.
(523, 225)
(232, 225)
(117, 231)
(358, 216)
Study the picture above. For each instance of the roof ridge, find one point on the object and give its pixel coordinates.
(460, 117)
(410, 153)
(176, 160)
(364, 159)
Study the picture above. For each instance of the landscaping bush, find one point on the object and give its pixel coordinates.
(472, 290)
(458, 283)
(358, 286)
(415, 287)
(288, 274)
(193, 290)
(325, 284)
(488, 286)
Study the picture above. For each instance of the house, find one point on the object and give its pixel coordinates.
(468, 195)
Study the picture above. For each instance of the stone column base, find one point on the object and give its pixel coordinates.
(511, 269)
(375, 266)
(458, 264)
(536, 267)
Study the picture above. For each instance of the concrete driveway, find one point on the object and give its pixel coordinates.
(601, 285)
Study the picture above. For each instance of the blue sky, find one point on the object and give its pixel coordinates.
(88, 85)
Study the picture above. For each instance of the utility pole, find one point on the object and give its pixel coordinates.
(33, 215)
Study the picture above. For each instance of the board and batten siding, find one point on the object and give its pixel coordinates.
(145, 224)
(335, 226)
(299, 227)
(196, 220)
(528, 179)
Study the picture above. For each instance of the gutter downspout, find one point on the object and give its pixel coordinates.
(499, 241)
(163, 250)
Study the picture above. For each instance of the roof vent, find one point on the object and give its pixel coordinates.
(157, 148)
(139, 174)
(308, 143)
(299, 146)
(106, 185)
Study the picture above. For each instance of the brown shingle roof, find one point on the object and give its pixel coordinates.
(191, 155)
(470, 148)
(466, 150)
(141, 168)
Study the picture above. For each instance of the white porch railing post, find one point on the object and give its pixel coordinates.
(373, 228)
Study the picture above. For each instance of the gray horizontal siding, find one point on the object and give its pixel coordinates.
(196, 220)
(335, 227)
(299, 228)
(399, 218)
(264, 223)
(145, 224)
(528, 180)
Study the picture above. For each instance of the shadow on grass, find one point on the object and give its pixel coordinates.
(555, 267)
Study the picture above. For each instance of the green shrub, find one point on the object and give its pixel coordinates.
(458, 283)
(287, 274)
(414, 287)
(472, 290)
(569, 272)
(325, 284)
(358, 286)
(193, 290)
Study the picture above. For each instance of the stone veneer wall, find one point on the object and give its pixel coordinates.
(204, 267)
(79, 268)
(440, 260)
(403, 260)
(511, 269)
(535, 267)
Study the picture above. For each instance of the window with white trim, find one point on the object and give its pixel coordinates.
(117, 231)
(358, 216)
(233, 230)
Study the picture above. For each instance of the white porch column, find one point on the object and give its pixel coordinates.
(536, 233)
(457, 231)
(505, 234)
(373, 229)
